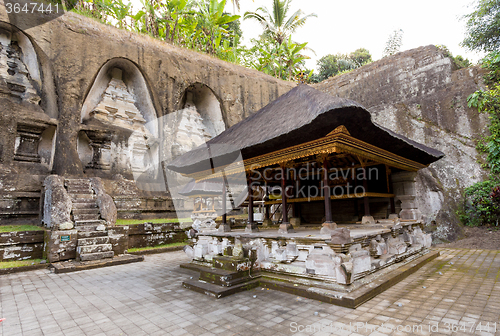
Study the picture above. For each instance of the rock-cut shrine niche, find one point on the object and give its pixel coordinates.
(199, 121)
(20, 97)
(120, 133)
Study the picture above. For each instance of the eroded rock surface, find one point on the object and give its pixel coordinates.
(420, 94)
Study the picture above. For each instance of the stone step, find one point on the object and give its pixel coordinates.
(93, 240)
(218, 291)
(85, 203)
(85, 210)
(224, 278)
(77, 182)
(88, 249)
(89, 222)
(91, 234)
(86, 228)
(95, 256)
(86, 216)
(80, 191)
(81, 197)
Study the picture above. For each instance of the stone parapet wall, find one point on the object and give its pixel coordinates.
(21, 245)
(149, 234)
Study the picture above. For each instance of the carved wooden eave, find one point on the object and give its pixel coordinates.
(338, 141)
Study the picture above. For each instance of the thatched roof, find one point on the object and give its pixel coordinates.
(302, 114)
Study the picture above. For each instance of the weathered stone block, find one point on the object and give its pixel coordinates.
(57, 203)
(361, 261)
(60, 245)
(118, 237)
(341, 236)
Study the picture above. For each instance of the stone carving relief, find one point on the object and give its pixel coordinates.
(199, 121)
(14, 75)
(19, 80)
(118, 107)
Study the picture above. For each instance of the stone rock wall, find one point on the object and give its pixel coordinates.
(76, 58)
(420, 94)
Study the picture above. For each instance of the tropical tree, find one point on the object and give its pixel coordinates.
(331, 65)
(119, 11)
(277, 26)
(360, 56)
(213, 24)
(483, 27)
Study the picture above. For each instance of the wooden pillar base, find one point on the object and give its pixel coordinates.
(286, 228)
(368, 220)
(224, 228)
(251, 227)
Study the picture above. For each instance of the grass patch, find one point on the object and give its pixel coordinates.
(138, 249)
(154, 221)
(10, 228)
(19, 263)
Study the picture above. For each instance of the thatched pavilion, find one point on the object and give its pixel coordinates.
(319, 151)
(311, 144)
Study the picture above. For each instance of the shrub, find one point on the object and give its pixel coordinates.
(482, 204)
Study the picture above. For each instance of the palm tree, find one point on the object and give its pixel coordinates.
(276, 24)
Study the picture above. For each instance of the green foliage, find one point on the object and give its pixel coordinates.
(458, 60)
(488, 101)
(148, 248)
(283, 61)
(11, 228)
(331, 65)
(483, 27)
(19, 263)
(275, 53)
(482, 200)
(480, 205)
(394, 43)
(203, 25)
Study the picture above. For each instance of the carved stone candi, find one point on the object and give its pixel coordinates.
(100, 141)
(14, 76)
(27, 141)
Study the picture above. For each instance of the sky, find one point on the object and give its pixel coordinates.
(344, 26)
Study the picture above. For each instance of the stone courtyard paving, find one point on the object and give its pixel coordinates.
(147, 299)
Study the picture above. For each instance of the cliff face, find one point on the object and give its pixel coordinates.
(64, 68)
(420, 94)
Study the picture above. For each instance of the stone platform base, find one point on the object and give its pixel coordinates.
(351, 297)
(72, 265)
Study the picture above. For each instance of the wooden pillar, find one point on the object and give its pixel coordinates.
(267, 208)
(251, 226)
(328, 225)
(284, 205)
(285, 226)
(326, 194)
(366, 199)
(367, 218)
(390, 190)
(225, 226)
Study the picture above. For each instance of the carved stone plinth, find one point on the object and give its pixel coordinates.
(251, 227)
(100, 141)
(409, 209)
(27, 141)
(286, 228)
